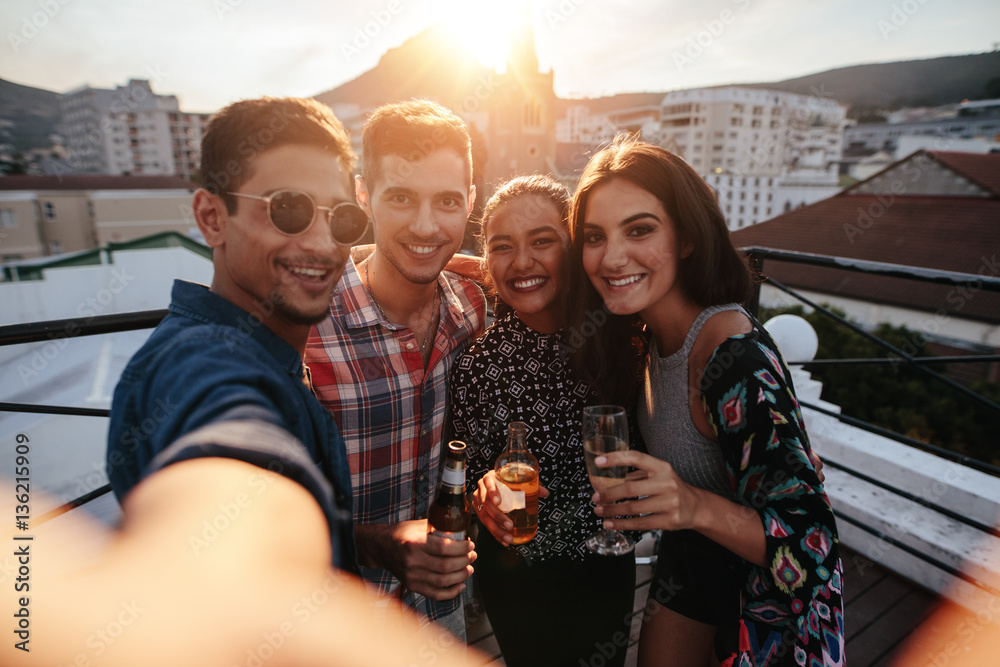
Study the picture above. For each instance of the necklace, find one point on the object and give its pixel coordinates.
(435, 312)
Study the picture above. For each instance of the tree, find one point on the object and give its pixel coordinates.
(895, 395)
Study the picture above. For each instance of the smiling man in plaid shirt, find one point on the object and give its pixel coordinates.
(380, 361)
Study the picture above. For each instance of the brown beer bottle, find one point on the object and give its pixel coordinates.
(449, 513)
(517, 470)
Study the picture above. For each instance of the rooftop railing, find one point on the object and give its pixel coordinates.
(46, 331)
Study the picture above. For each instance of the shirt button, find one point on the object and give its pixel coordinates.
(409, 346)
(423, 432)
(422, 477)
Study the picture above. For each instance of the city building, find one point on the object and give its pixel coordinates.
(955, 127)
(51, 215)
(521, 132)
(764, 152)
(131, 131)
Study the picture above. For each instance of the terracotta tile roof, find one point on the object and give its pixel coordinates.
(949, 233)
(94, 182)
(983, 169)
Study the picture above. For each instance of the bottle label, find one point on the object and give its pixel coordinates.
(452, 477)
(458, 537)
(510, 499)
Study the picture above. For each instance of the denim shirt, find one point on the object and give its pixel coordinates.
(210, 362)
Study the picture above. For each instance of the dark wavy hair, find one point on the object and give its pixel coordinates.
(613, 356)
(536, 184)
(238, 134)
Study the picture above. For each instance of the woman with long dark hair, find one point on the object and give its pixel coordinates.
(748, 570)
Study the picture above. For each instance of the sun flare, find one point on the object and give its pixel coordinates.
(486, 29)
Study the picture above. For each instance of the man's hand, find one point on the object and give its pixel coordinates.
(432, 566)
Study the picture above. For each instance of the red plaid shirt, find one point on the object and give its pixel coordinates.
(391, 410)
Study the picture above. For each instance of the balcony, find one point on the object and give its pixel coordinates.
(917, 521)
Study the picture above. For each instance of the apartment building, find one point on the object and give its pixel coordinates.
(52, 215)
(131, 131)
(765, 152)
(948, 127)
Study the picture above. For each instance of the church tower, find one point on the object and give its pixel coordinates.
(522, 124)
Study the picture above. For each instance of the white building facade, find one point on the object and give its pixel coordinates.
(131, 130)
(765, 152)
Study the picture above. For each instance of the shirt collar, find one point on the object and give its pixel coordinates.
(198, 303)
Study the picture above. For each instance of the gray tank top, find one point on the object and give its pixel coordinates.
(664, 416)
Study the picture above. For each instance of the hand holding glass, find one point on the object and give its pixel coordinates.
(605, 429)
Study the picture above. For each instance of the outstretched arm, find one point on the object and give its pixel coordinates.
(217, 560)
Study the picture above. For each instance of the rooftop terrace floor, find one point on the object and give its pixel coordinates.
(882, 610)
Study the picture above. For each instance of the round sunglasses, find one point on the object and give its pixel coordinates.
(293, 213)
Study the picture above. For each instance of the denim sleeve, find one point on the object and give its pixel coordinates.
(191, 382)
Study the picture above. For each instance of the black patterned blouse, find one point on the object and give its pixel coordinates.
(513, 373)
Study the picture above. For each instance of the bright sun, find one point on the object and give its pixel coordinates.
(486, 28)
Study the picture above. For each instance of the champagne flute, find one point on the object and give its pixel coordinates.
(605, 429)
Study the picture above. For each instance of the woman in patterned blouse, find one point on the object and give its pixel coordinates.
(749, 569)
(550, 601)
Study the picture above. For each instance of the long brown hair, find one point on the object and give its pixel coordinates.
(715, 272)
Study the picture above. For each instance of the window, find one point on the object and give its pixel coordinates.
(55, 248)
(7, 218)
(50, 210)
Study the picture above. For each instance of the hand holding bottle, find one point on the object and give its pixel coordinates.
(486, 502)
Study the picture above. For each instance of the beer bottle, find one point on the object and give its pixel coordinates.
(449, 513)
(517, 470)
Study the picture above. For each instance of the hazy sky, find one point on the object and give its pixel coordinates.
(212, 52)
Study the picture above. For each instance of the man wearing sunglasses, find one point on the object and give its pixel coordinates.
(278, 211)
(381, 360)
